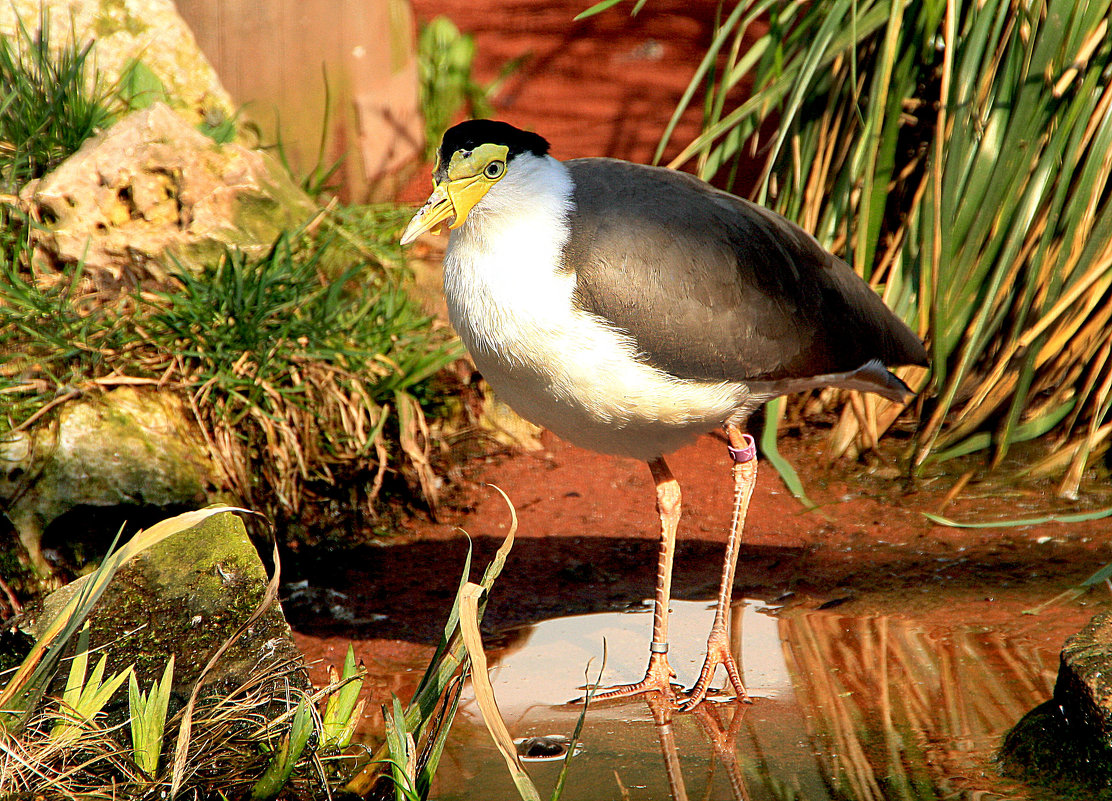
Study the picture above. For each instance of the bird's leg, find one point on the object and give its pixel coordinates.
(744, 453)
(659, 674)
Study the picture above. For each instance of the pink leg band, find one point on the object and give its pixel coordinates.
(744, 454)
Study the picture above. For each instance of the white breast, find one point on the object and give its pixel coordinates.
(557, 366)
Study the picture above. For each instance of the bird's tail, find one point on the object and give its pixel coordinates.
(872, 376)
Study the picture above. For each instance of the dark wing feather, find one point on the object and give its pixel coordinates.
(711, 286)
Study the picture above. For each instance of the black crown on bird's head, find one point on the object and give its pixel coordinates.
(472, 133)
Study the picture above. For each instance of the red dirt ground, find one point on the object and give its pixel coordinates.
(587, 536)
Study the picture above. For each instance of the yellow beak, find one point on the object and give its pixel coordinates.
(436, 210)
(450, 201)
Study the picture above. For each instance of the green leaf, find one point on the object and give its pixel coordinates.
(84, 698)
(148, 718)
(774, 411)
(597, 8)
(287, 754)
(1079, 517)
(342, 710)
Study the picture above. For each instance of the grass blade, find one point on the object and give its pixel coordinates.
(484, 693)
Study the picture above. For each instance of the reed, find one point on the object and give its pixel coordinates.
(957, 155)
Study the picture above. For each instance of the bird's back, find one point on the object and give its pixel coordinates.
(713, 287)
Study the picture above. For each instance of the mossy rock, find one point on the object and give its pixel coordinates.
(152, 195)
(132, 447)
(187, 596)
(1066, 743)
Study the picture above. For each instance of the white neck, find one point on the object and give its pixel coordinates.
(503, 257)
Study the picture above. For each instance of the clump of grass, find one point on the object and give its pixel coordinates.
(53, 101)
(264, 738)
(251, 740)
(298, 379)
(51, 105)
(308, 368)
(239, 745)
(148, 717)
(404, 765)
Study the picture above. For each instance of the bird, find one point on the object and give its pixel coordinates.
(630, 308)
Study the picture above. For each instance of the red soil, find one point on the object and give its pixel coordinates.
(587, 534)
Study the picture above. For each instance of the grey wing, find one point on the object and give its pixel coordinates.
(714, 287)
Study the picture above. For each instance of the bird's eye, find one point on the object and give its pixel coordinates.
(495, 169)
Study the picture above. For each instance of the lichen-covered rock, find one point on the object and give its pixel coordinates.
(127, 446)
(186, 596)
(127, 31)
(152, 188)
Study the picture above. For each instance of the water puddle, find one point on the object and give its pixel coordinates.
(867, 707)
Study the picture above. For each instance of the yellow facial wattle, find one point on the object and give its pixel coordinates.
(469, 176)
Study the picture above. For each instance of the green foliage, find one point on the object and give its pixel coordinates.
(57, 338)
(428, 716)
(598, 8)
(249, 739)
(148, 718)
(286, 755)
(85, 695)
(343, 709)
(139, 86)
(956, 154)
(416, 735)
(23, 690)
(402, 754)
(49, 106)
(219, 127)
(444, 57)
(53, 101)
(303, 370)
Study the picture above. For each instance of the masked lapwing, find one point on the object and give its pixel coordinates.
(629, 309)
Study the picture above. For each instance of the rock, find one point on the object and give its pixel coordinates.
(1043, 748)
(151, 188)
(186, 596)
(1084, 686)
(127, 31)
(1066, 743)
(127, 446)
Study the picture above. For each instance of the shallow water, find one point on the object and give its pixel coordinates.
(878, 706)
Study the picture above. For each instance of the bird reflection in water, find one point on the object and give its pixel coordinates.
(722, 737)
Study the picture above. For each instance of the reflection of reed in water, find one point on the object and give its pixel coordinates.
(902, 712)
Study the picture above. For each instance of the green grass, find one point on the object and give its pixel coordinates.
(249, 738)
(49, 105)
(310, 361)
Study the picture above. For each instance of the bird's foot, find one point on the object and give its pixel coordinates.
(658, 678)
(718, 653)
